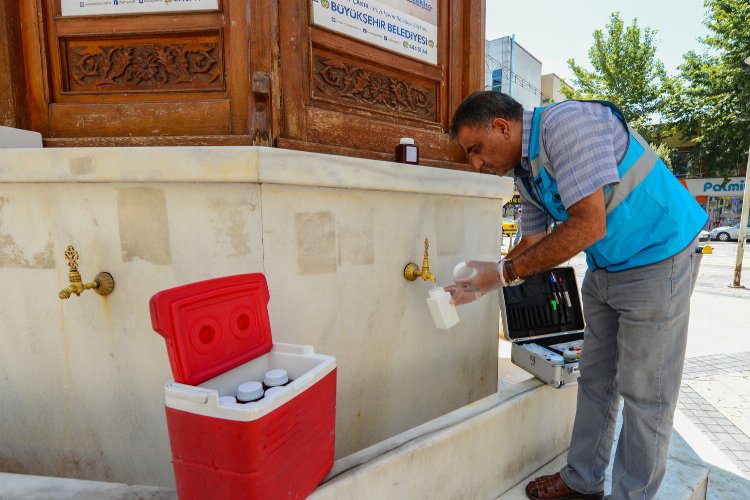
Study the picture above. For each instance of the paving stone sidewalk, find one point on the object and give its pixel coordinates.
(715, 396)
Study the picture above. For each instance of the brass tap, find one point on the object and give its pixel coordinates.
(103, 283)
(412, 271)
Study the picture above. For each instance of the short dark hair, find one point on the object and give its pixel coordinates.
(481, 108)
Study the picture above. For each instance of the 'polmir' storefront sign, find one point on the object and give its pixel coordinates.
(408, 27)
(735, 186)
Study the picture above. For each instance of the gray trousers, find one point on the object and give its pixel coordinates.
(634, 348)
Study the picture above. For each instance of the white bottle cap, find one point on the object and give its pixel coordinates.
(227, 401)
(462, 271)
(249, 391)
(570, 354)
(275, 377)
(438, 292)
(406, 140)
(273, 391)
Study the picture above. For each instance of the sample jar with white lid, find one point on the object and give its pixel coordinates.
(249, 392)
(275, 378)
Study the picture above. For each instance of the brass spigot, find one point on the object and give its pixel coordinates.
(412, 272)
(103, 283)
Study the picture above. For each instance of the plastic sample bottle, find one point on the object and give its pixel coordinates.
(444, 313)
(249, 392)
(275, 378)
(227, 401)
(273, 391)
(407, 151)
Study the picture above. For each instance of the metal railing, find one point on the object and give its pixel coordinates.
(492, 63)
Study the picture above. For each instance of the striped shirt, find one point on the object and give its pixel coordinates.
(585, 142)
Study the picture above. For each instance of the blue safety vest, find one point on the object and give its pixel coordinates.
(650, 215)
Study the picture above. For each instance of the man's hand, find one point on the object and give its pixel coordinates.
(481, 282)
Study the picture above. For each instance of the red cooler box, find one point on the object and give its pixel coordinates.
(218, 336)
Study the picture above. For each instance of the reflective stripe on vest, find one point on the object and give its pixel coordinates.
(674, 218)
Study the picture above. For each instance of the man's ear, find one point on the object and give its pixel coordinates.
(502, 125)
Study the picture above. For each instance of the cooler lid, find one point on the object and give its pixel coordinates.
(213, 326)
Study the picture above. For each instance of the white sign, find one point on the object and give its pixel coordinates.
(408, 27)
(97, 7)
(735, 186)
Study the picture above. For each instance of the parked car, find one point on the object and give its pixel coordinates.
(704, 235)
(726, 233)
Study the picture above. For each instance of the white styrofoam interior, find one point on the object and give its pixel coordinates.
(305, 368)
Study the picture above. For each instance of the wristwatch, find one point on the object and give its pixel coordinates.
(505, 266)
(511, 270)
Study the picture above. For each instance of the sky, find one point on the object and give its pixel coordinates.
(555, 30)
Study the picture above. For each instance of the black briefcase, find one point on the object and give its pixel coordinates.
(543, 319)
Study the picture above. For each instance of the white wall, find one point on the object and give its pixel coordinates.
(83, 378)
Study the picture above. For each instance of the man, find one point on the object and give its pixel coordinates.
(580, 164)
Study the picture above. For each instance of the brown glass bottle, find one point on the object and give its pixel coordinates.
(407, 151)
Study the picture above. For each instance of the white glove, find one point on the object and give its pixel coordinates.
(474, 279)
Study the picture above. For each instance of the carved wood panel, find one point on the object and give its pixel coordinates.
(144, 79)
(352, 83)
(312, 88)
(342, 94)
(156, 65)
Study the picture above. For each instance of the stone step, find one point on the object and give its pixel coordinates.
(696, 469)
(28, 487)
(494, 445)
(473, 456)
(474, 452)
(689, 445)
(683, 481)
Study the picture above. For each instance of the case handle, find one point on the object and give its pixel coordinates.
(187, 393)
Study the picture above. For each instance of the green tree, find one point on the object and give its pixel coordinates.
(711, 100)
(664, 152)
(626, 72)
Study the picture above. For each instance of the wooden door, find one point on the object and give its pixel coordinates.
(248, 72)
(13, 109)
(342, 95)
(139, 79)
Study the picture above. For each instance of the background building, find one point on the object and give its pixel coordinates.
(552, 86)
(511, 69)
(720, 198)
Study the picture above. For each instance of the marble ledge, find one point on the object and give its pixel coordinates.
(237, 164)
